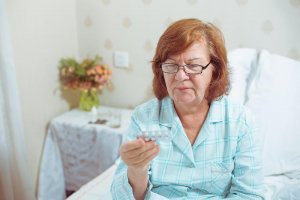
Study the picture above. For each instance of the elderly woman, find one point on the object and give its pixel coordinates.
(213, 152)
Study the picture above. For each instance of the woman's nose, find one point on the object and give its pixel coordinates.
(181, 75)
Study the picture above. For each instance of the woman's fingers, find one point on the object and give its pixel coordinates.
(143, 157)
(148, 158)
(138, 153)
(132, 145)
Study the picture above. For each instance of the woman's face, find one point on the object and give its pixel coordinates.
(189, 89)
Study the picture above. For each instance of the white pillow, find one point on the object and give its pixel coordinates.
(241, 64)
(274, 98)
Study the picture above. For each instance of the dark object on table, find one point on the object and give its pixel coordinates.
(99, 121)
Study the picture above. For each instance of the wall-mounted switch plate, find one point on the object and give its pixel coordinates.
(121, 59)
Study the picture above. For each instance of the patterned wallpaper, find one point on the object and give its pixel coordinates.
(134, 26)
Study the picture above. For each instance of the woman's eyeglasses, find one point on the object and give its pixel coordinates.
(173, 68)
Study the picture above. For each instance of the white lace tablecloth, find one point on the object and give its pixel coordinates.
(75, 151)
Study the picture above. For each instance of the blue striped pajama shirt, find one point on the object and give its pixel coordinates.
(223, 163)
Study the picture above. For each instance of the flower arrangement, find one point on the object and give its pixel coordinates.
(90, 76)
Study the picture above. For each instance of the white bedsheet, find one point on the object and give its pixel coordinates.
(98, 188)
(281, 187)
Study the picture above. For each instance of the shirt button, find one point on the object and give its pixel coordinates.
(191, 165)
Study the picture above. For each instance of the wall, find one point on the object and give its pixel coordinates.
(134, 26)
(42, 32)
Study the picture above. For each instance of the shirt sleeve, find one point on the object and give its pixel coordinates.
(120, 188)
(247, 180)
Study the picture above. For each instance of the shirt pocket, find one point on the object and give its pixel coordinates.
(221, 174)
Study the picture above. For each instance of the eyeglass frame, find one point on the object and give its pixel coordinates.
(184, 68)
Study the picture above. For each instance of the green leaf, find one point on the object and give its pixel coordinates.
(79, 71)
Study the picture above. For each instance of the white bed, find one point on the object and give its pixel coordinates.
(279, 187)
(269, 85)
(98, 188)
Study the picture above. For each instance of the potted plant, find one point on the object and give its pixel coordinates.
(89, 77)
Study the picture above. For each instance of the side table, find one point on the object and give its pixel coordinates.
(77, 150)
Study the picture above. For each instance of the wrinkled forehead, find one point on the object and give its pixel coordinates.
(198, 50)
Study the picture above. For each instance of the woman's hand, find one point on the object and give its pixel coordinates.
(137, 154)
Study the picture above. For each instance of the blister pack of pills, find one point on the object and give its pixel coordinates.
(159, 135)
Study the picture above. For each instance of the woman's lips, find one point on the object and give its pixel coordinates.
(182, 88)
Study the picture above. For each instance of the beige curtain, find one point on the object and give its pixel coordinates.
(15, 179)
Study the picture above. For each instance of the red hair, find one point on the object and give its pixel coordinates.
(177, 38)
